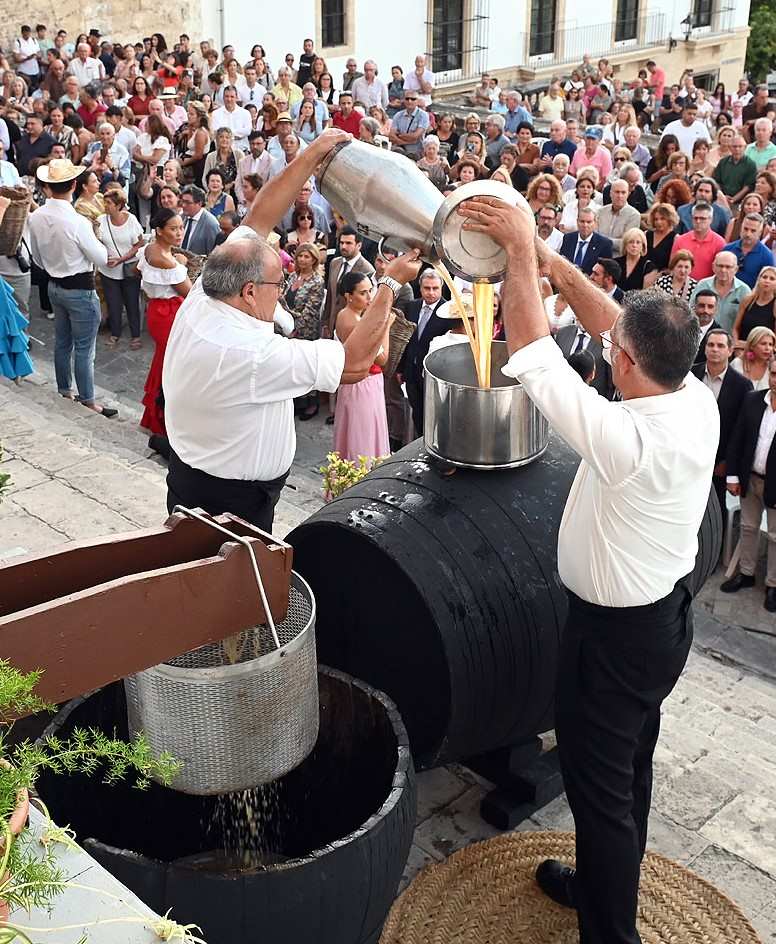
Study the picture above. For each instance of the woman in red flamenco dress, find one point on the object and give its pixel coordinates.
(165, 281)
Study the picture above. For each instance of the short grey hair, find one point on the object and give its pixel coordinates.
(627, 167)
(661, 334)
(372, 124)
(230, 266)
(429, 274)
(497, 120)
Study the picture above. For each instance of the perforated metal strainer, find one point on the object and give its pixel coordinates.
(240, 712)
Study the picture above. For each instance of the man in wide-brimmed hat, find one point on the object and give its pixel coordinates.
(64, 245)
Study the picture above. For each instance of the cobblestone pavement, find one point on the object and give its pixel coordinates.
(78, 476)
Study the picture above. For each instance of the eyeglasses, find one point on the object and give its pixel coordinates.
(607, 342)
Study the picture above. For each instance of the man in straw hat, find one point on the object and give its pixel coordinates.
(64, 245)
(449, 311)
(230, 382)
(636, 504)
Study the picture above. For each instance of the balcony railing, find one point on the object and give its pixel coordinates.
(567, 46)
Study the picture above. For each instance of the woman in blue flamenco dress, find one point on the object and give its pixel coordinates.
(15, 361)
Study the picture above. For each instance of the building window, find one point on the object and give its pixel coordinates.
(701, 13)
(542, 38)
(332, 23)
(627, 24)
(447, 35)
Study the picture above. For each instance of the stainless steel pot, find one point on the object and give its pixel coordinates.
(499, 428)
(389, 199)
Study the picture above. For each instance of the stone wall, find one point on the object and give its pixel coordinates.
(122, 20)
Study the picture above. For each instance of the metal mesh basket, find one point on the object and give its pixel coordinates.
(237, 713)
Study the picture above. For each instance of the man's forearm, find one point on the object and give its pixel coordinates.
(365, 339)
(276, 196)
(595, 311)
(521, 302)
(736, 198)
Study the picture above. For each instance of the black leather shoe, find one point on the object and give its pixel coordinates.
(108, 413)
(770, 599)
(557, 882)
(737, 583)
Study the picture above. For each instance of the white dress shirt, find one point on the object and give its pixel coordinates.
(630, 526)
(424, 317)
(714, 383)
(63, 242)
(370, 93)
(238, 120)
(250, 96)
(229, 387)
(27, 47)
(230, 383)
(90, 71)
(765, 437)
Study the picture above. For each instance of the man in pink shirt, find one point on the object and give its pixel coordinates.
(592, 154)
(657, 80)
(701, 241)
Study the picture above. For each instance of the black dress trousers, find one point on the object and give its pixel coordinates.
(254, 502)
(616, 666)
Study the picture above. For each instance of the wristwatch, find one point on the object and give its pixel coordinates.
(392, 284)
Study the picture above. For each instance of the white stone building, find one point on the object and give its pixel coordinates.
(518, 40)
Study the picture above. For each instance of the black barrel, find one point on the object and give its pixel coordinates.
(442, 590)
(334, 833)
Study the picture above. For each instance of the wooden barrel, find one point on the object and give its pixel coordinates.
(333, 834)
(442, 590)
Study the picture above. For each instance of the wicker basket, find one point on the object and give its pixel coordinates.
(398, 339)
(12, 226)
(194, 263)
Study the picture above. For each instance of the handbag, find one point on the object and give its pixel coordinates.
(129, 269)
(144, 187)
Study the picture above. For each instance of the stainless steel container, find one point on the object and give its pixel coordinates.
(467, 426)
(237, 713)
(389, 199)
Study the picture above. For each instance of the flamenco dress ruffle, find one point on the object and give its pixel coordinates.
(15, 359)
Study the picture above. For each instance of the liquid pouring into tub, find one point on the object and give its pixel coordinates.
(389, 199)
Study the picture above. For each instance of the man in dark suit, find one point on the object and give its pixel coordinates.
(574, 338)
(201, 228)
(705, 307)
(585, 247)
(606, 274)
(348, 260)
(729, 389)
(751, 473)
(422, 312)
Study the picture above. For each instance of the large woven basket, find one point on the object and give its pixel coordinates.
(398, 338)
(12, 226)
(194, 263)
(486, 894)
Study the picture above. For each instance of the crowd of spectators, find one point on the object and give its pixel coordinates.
(639, 183)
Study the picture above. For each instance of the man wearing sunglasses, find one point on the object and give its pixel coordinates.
(230, 381)
(626, 546)
(409, 126)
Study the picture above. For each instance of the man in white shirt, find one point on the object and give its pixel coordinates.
(546, 227)
(63, 243)
(257, 161)
(234, 116)
(743, 94)
(26, 55)
(230, 381)
(627, 543)
(751, 473)
(420, 81)
(285, 129)
(369, 90)
(250, 92)
(688, 129)
(85, 68)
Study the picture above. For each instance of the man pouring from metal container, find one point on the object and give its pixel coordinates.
(626, 547)
(230, 382)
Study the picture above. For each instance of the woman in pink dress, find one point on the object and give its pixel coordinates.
(360, 423)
